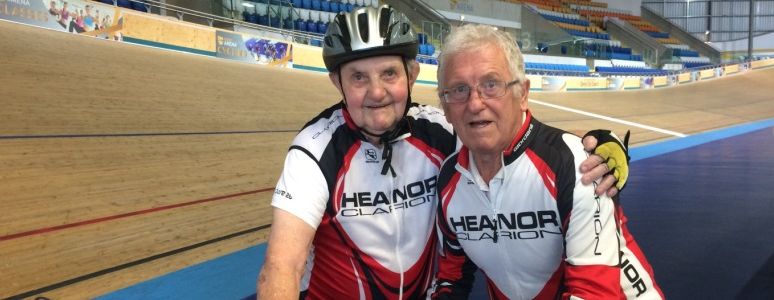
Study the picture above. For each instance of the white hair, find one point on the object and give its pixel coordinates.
(471, 37)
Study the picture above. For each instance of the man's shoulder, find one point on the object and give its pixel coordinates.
(428, 112)
(319, 131)
(429, 124)
(557, 138)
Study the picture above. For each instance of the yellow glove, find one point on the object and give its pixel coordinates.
(614, 152)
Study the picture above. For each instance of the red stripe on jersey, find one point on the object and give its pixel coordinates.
(593, 282)
(333, 273)
(416, 277)
(448, 191)
(463, 157)
(419, 276)
(343, 171)
(348, 119)
(549, 178)
(632, 245)
(433, 154)
(521, 132)
(552, 285)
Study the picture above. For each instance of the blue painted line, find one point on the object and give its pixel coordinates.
(647, 151)
(232, 276)
(310, 68)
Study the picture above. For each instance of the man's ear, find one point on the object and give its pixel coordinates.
(414, 72)
(334, 77)
(524, 95)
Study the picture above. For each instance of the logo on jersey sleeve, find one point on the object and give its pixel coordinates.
(283, 194)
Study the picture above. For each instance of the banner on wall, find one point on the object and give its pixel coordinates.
(615, 83)
(706, 74)
(695, 76)
(553, 84)
(685, 77)
(672, 80)
(586, 83)
(646, 82)
(76, 16)
(720, 71)
(236, 46)
(623, 83)
(660, 81)
(731, 69)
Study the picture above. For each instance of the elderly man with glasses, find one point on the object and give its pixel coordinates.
(511, 201)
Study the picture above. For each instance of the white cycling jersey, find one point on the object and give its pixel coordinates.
(375, 233)
(534, 230)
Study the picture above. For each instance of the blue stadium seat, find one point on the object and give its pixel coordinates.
(322, 27)
(335, 6)
(300, 25)
(306, 4)
(423, 49)
(422, 38)
(253, 18)
(311, 26)
(263, 20)
(297, 3)
(325, 6)
(139, 5)
(125, 3)
(316, 5)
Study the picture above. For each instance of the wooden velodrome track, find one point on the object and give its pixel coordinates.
(119, 163)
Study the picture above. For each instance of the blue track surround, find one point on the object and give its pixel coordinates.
(703, 215)
(232, 276)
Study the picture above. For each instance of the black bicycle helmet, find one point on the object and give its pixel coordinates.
(365, 32)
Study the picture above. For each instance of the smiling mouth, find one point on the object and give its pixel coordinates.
(478, 124)
(377, 106)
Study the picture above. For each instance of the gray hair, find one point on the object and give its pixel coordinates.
(471, 37)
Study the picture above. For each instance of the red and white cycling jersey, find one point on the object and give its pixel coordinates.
(375, 234)
(534, 229)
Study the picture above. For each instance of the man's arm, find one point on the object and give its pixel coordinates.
(456, 271)
(289, 244)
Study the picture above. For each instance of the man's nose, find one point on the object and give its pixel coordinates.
(475, 100)
(376, 89)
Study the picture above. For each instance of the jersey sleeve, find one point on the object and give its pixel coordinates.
(592, 252)
(301, 189)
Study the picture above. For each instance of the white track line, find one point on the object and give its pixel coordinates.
(664, 131)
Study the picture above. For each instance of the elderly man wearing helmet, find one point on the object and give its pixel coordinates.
(354, 208)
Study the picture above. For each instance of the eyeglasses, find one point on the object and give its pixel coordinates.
(486, 90)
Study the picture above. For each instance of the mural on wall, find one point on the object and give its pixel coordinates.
(76, 16)
(236, 46)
